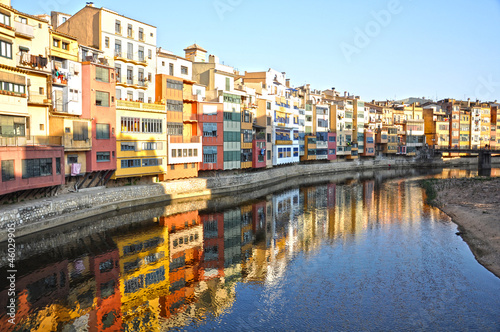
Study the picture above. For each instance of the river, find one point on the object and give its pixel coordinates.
(347, 253)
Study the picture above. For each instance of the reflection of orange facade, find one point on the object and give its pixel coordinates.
(212, 265)
(107, 313)
(185, 247)
(34, 293)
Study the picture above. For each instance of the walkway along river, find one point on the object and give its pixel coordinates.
(359, 251)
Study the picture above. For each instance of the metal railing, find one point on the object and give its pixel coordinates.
(31, 141)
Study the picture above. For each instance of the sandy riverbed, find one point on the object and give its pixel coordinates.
(474, 205)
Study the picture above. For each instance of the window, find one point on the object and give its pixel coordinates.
(41, 90)
(150, 54)
(171, 69)
(130, 163)
(149, 146)
(118, 47)
(247, 135)
(80, 131)
(72, 159)
(130, 76)
(269, 138)
(58, 165)
(4, 19)
(36, 167)
(129, 30)
(173, 84)
(141, 97)
(102, 74)
(174, 105)
(102, 156)
(13, 87)
(118, 28)
(174, 154)
(130, 51)
(102, 98)
(130, 125)
(130, 95)
(228, 84)
(184, 70)
(174, 129)
(5, 49)
(268, 107)
(55, 42)
(141, 34)
(8, 170)
(102, 131)
(140, 53)
(128, 146)
(153, 126)
(246, 155)
(209, 129)
(65, 46)
(106, 42)
(151, 162)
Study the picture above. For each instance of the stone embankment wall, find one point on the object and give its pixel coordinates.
(35, 216)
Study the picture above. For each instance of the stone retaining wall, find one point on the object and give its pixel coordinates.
(34, 216)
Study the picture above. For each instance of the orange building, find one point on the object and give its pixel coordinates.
(184, 148)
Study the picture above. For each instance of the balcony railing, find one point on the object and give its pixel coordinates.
(31, 141)
(141, 106)
(75, 145)
(24, 29)
(38, 99)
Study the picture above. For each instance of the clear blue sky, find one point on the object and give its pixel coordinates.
(415, 48)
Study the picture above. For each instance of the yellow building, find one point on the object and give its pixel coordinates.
(464, 129)
(485, 125)
(141, 140)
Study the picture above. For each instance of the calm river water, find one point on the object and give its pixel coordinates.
(346, 253)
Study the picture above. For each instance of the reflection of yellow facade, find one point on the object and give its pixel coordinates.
(144, 270)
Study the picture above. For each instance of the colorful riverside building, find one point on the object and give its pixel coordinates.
(495, 125)
(219, 81)
(30, 158)
(66, 119)
(175, 89)
(131, 47)
(284, 114)
(452, 109)
(99, 105)
(436, 126)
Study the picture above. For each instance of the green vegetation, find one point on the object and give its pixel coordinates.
(430, 190)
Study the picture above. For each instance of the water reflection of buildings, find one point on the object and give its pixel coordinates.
(185, 267)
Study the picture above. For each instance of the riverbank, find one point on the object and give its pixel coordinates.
(474, 205)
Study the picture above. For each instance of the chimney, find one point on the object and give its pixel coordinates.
(345, 94)
(213, 59)
(90, 4)
(287, 82)
(468, 102)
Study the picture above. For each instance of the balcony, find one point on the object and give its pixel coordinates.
(39, 99)
(72, 145)
(139, 106)
(31, 141)
(132, 82)
(24, 30)
(134, 58)
(189, 117)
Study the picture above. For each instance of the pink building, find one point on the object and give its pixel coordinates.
(99, 105)
(332, 146)
(31, 167)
